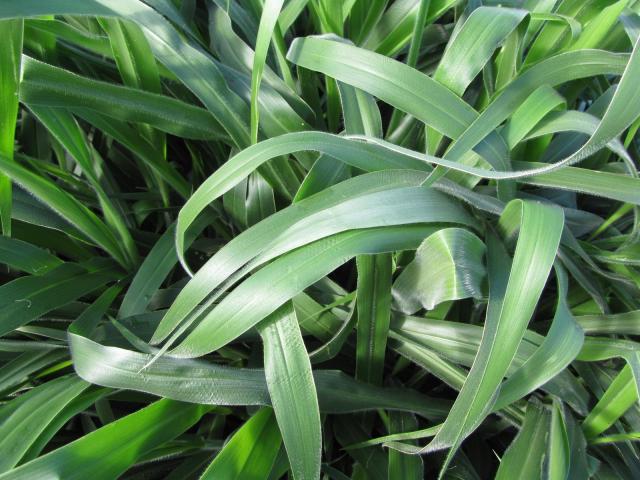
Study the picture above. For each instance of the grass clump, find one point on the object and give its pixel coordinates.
(318, 239)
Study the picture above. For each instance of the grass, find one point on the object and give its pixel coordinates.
(400, 241)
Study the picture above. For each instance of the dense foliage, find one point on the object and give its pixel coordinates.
(304, 239)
